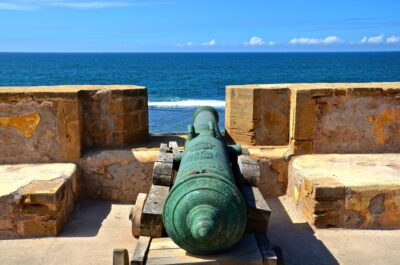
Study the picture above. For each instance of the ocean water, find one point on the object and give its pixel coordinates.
(180, 82)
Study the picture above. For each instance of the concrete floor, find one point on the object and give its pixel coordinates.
(97, 227)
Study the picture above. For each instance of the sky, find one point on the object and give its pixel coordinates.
(199, 25)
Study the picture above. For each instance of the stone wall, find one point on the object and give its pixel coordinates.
(324, 118)
(55, 124)
(345, 118)
(36, 126)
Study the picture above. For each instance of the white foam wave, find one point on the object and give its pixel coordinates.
(188, 103)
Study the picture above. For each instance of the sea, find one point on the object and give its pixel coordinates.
(178, 83)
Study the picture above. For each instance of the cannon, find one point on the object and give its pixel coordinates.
(203, 201)
(205, 212)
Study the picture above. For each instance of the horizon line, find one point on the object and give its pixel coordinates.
(188, 52)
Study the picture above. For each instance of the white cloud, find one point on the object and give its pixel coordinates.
(255, 41)
(189, 43)
(374, 39)
(364, 40)
(327, 40)
(393, 39)
(85, 4)
(271, 43)
(209, 43)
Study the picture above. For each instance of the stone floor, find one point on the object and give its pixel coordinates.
(97, 227)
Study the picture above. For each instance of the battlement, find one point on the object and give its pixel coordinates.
(104, 131)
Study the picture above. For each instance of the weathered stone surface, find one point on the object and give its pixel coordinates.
(345, 117)
(350, 124)
(37, 199)
(113, 118)
(273, 167)
(30, 131)
(257, 114)
(50, 124)
(119, 174)
(346, 190)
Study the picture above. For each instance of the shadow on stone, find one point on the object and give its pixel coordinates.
(296, 240)
(87, 219)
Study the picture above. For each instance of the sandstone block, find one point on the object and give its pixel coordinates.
(114, 115)
(273, 169)
(345, 117)
(118, 174)
(257, 115)
(345, 190)
(39, 131)
(54, 123)
(37, 199)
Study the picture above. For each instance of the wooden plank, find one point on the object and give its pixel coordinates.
(164, 157)
(249, 170)
(258, 211)
(163, 243)
(164, 147)
(163, 172)
(120, 256)
(140, 253)
(151, 221)
(174, 146)
(246, 251)
(267, 250)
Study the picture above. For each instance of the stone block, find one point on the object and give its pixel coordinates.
(273, 167)
(345, 117)
(39, 130)
(357, 124)
(54, 123)
(346, 190)
(118, 174)
(37, 199)
(112, 115)
(257, 114)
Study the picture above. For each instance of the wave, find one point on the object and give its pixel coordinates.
(188, 103)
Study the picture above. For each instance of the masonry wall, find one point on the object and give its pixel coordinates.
(316, 118)
(55, 124)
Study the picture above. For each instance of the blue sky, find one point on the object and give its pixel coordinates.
(199, 25)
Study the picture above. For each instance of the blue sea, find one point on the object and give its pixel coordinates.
(180, 82)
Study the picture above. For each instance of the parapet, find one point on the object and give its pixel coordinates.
(55, 123)
(316, 118)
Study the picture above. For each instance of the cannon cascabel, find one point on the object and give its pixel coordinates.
(205, 212)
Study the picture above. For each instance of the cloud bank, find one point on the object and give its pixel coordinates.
(327, 40)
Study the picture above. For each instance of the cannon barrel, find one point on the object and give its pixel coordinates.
(205, 212)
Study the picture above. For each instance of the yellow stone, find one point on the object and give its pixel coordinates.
(25, 123)
(381, 120)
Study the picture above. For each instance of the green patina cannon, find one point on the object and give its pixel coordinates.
(205, 212)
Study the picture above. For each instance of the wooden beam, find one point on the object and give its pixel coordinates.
(140, 253)
(163, 251)
(120, 256)
(174, 147)
(151, 221)
(249, 170)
